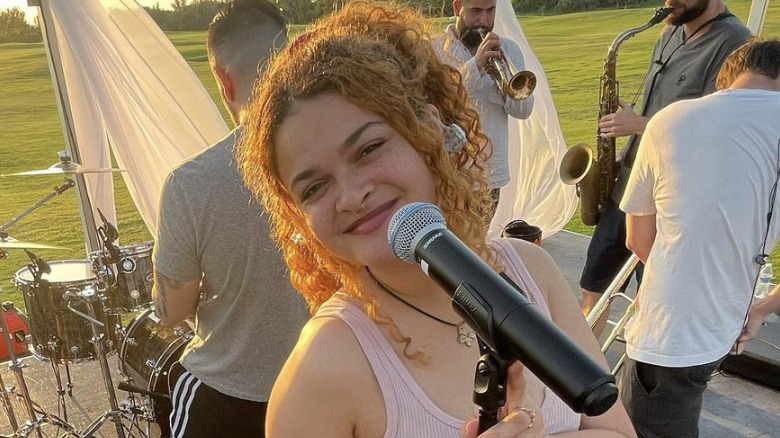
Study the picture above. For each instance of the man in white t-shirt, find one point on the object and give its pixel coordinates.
(697, 205)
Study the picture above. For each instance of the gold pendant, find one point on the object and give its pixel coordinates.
(466, 335)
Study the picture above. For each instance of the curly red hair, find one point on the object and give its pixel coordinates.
(379, 57)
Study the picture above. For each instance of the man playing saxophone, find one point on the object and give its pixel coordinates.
(462, 45)
(685, 63)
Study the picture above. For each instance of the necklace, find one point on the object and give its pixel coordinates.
(466, 335)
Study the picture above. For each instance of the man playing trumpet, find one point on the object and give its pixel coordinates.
(470, 46)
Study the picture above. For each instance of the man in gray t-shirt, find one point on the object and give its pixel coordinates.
(685, 65)
(214, 259)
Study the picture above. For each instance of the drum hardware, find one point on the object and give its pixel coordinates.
(124, 386)
(62, 408)
(57, 332)
(108, 235)
(603, 304)
(89, 297)
(129, 279)
(58, 190)
(126, 269)
(146, 355)
(35, 421)
(65, 166)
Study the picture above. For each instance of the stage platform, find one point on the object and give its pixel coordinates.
(733, 406)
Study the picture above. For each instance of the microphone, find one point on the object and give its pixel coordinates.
(40, 264)
(500, 315)
(109, 234)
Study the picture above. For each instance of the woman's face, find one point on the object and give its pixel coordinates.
(349, 171)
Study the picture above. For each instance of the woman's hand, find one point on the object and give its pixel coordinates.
(519, 418)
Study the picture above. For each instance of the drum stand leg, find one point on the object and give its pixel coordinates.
(16, 368)
(60, 392)
(9, 409)
(114, 413)
(70, 381)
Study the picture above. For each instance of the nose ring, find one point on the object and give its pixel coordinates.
(362, 209)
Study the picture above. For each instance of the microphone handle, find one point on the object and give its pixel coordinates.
(510, 324)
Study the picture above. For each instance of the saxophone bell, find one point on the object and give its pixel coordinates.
(580, 169)
(576, 163)
(515, 85)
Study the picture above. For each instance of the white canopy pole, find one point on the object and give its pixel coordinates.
(63, 105)
(757, 15)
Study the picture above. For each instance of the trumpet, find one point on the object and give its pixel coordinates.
(516, 86)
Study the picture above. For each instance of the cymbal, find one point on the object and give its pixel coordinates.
(65, 168)
(11, 243)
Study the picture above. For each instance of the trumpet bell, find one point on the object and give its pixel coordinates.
(521, 85)
(576, 163)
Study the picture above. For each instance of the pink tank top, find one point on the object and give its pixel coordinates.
(409, 411)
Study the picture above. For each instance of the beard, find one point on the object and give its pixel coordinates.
(470, 36)
(688, 14)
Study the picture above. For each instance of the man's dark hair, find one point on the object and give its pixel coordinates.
(239, 16)
(764, 58)
(241, 38)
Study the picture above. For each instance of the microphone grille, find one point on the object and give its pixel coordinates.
(406, 224)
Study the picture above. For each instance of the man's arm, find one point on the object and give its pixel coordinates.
(175, 253)
(756, 316)
(639, 198)
(640, 234)
(174, 301)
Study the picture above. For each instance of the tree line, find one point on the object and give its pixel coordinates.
(195, 15)
(14, 27)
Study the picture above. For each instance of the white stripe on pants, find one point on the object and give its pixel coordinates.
(182, 398)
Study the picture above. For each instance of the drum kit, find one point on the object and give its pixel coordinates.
(75, 312)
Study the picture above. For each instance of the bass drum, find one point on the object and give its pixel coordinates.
(146, 355)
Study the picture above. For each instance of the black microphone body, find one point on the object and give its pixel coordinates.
(40, 264)
(510, 324)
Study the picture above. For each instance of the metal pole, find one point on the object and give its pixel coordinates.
(57, 191)
(63, 105)
(757, 15)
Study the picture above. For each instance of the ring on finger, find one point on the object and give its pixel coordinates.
(530, 412)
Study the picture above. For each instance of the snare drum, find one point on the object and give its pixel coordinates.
(58, 333)
(131, 279)
(147, 353)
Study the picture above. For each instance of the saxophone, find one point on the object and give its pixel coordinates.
(595, 178)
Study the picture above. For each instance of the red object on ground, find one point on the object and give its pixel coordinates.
(17, 326)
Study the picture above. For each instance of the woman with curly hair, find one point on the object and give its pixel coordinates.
(355, 119)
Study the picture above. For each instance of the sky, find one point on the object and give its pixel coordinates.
(31, 12)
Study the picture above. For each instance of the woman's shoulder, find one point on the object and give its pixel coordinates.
(535, 258)
(328, 348)
(544, 272)
(326, 377)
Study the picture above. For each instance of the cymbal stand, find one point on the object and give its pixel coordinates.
(58, 190)
(16, 368)
(6, 401)
(89, 297)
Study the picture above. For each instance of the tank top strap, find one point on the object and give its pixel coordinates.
(408, 408)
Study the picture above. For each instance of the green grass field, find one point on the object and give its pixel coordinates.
(571, 48)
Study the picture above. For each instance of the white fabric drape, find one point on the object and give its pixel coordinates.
(536, 147)
(129, 89)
